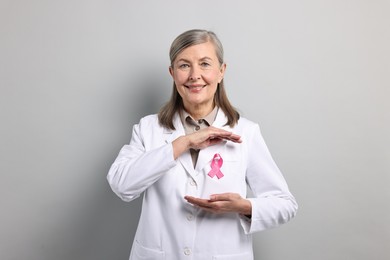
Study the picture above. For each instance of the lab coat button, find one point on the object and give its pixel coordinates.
(187, 251)
(193, 183)
(190, 217)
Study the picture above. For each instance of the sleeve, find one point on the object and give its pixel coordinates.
(272, 202)
(136, 168)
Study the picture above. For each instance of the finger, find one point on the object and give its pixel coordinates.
(211, 210)
(218, 131)
(198, 201)
(229, 136)
(214, 141)
(217, 197)
(207, 205)
(223, 197)
(235, 139)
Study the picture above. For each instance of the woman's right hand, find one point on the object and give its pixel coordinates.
(202, 139)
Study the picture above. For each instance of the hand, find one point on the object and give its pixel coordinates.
(210, 136)
(223, 203)
(202, 139)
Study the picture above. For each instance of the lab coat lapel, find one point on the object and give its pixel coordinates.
(207, 154)
(170, 135)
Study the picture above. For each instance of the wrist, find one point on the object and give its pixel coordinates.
(246, 208)
(180, 145)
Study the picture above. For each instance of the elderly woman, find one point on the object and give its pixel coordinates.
(194, 162)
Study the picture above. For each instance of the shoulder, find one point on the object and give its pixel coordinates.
(148, 122)
(246, 128)
(149, 119)
(244, 122)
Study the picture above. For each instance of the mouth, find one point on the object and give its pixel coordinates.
(195, 88)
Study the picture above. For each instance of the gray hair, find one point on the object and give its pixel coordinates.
(175, 103)
(194, 37)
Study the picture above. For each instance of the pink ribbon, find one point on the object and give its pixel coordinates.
(216, 165)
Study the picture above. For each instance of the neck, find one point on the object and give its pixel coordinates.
(198, 111)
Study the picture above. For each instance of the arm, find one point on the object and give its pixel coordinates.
(135, 169)
(202, 139)
(273, 204)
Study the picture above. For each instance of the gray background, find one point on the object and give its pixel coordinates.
(76, 75)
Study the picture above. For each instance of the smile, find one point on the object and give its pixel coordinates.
(195, 87)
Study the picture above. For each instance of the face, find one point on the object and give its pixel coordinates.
(196, 73)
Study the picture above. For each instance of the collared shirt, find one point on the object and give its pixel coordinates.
(191, 125)
(183, 231)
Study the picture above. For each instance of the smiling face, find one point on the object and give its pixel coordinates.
(196, 72)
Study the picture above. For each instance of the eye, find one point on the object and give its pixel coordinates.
(205, 64)
(184, 66)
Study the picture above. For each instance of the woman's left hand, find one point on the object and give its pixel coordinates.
(223, 203)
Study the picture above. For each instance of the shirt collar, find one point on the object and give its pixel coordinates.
(209, 119)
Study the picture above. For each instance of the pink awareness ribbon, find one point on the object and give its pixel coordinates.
(216, 165)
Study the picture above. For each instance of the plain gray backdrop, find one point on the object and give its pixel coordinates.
(76, 75)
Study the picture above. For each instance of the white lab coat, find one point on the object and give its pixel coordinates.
(172, 229)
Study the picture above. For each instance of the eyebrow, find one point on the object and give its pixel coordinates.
(201, 59)
(206, 58)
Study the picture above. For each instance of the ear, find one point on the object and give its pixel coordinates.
(222, 72)
(171, 71)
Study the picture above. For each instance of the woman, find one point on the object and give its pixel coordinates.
(194, 162)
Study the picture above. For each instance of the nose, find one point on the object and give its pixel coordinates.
(194, 74)
(194, 77)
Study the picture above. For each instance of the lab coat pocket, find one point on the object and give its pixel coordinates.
(242, 256)
(143, 253)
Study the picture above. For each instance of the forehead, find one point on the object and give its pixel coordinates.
(198, 51)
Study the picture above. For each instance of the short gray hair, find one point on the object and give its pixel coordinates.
(193, 37)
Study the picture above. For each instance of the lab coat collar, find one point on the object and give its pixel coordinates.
(170, 135)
